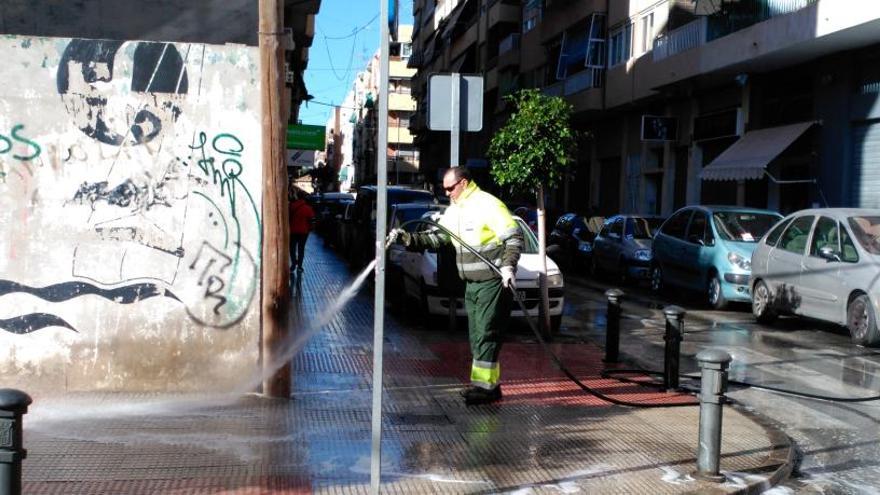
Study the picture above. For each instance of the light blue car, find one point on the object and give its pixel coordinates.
(709, 249)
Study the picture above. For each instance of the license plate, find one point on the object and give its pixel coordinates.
(521, 295)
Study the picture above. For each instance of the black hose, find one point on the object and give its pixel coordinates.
(534, 328)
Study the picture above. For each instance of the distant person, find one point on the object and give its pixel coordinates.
(484, 223)
(302, 217)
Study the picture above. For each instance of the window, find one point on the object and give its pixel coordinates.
(617, 228)
(825, 233)
(848, 253)
(647, 32)
(795, 237)
(697, 231)
(405, 50)
(677, 225)
(531, 15)
(619, 45)
(638, 228)
(774, 234)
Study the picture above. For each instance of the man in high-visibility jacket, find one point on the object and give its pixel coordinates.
(483, 222)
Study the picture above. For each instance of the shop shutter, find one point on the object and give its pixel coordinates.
(866, 166)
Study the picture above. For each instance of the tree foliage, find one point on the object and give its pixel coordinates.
(535, 145)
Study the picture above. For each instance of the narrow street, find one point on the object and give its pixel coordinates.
(838, 443)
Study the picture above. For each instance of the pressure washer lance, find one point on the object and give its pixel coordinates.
(519, 300)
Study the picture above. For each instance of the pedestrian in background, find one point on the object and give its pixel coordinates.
(484, 223)
(302, 217)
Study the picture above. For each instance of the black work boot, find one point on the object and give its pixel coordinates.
(476, 395)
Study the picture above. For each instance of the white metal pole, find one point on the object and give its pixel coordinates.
(381, 221)
(455, 119)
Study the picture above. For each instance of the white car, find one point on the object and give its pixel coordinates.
(416, 272)
(822, 263)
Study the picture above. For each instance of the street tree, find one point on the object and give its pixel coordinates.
(530, 154)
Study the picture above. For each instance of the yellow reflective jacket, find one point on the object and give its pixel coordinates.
(483, 222)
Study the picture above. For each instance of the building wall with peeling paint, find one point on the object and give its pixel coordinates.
(130, 182)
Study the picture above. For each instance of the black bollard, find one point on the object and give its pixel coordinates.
(13, 404)
(713, 386)
(672, 356)
(612, 325)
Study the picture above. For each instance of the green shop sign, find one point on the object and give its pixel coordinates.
(305, 137)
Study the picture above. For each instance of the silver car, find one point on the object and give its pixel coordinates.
(823, 264)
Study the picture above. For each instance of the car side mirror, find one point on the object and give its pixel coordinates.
(695, 239)
(828, 253)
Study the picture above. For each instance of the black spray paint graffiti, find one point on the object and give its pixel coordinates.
(220, 283)
(69, 290)
(86, 64)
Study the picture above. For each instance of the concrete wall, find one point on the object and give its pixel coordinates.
(130, 199)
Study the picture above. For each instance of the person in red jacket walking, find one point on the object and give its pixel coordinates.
(301, 218)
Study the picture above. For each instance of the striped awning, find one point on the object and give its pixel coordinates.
(748, 158)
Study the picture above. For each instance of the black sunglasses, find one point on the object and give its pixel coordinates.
(450, 188)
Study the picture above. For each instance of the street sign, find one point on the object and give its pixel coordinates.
(440, 102)
(656, 128)
(306, 137)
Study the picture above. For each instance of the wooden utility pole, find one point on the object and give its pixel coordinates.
(275, 273)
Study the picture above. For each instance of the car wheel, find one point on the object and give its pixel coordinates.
(656, 278)
(762, 303)
(555, 324)
(861, 321)
(715, 294)
(622, 271)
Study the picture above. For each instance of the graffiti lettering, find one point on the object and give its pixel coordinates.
(6, 144)
(215, 274)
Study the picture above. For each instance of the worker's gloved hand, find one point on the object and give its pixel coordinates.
(508, 277)
(399, 236)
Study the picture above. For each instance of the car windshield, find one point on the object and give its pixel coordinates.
(867, 231)
(743, 226)
(639, 228)
(531, 242)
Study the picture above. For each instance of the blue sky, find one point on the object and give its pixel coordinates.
(346, 36)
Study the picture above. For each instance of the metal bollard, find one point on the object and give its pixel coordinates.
(13, 404)
(612, 325)
(713, 385)
(672, 354)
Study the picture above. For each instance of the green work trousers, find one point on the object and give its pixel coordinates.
(488, 306)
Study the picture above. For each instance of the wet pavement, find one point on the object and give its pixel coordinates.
(545, 436)
(837, 443)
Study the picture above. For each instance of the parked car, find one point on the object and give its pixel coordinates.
(709, 248)
(364, 217)
(345, 230)
(570, 243)
(326, 206)
(824, 264)
(333, 229)
(623, 247)
(421, 280)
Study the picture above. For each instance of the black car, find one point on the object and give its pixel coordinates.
(327, 205)
(364, 217)
(570, 243)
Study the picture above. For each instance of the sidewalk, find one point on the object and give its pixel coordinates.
(546, 436)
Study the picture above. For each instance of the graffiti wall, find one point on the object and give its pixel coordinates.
(130, 182)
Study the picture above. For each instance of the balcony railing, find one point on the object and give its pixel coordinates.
(585, 79)
(509, 43)
(691, 35)
(746, 13)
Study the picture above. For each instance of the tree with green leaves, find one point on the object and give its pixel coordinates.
(530, 154)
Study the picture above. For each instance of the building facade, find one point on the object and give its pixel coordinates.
(131, 192)
(768, 103)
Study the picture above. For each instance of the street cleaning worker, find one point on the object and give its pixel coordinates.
(483, 222)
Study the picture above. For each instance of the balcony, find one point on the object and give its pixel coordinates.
(508, 44)
(743, 14)
(508, 51)
(401, 102)
(575, 83)
(691, 35)
(504, 12)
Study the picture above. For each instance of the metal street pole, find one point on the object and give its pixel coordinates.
(275, 294)
(381, 221)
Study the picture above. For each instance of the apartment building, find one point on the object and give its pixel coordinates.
(769, 103)
(352, 136)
